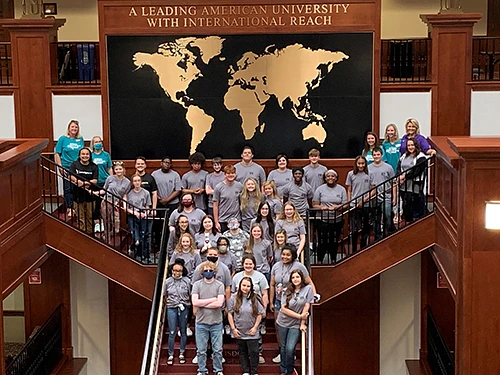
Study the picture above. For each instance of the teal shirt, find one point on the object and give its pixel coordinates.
(103, 162)
(68, 148)
(391, 153)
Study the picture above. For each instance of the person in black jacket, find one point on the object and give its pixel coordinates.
(84, 177)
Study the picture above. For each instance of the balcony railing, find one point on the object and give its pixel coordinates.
(5, 64)
(405, 60)
(43, 350)
(336, 235)
(77, 63)
(485, 58)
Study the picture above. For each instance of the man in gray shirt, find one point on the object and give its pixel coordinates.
(208, 299)
(194, 181)
(299, 192)
(213, 179)
(386, 193)
(226, 200)
(314, 172)
(248, 168)
(169, 186)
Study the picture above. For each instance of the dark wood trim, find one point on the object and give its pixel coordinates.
(407, 87)
(13, 313)
(484, 85)
(335, 280)
(8, 90)
(76, 90)
(415, 367)
(493, 18)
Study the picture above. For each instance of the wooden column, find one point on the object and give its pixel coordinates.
(493, 17)
(31, 56)
(2, 349)
(478, 256)
(451, 69)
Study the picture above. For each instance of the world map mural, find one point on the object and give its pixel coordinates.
(279, 93)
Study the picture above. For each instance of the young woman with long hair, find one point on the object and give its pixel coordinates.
(250, 199)
(292, 223)
(265, 219)
(207, 236)
(261, 249)
(391, 146)
(292, 318)
(186, 250)
(181, 226)
(187, 207)
(245, 311)
(272, 198)
(371, 141)
(280, 239)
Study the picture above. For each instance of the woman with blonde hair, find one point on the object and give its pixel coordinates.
(271, 197)
(391, 146)
(186, 249)
(68, 147)
(412, 127)
(292, 223)
(102, 159)
(250, 199)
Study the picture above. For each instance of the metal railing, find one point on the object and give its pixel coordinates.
(440, 358)
(77, 63)
(485, 58)
(405, 60)
(43, 351)
(114, 211)
(152, 347)
(5, 64)
(336, 235)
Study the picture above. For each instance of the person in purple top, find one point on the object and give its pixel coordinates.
(412, 127)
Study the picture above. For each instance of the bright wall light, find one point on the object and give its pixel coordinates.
(492, 219)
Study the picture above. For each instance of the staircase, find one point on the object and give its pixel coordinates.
(230, 354)
(334, 280)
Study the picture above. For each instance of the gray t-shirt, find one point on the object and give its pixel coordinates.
(260, 283)
(299, 196)
(192, 180)
(139, 199)
(314, 176)
(251, 208)
(194, 218)
(265, 228)
(228, 198)
(293, 230)
(360, 183)
(330, 196)
(296, 304)
(275, 205)
(200, 239)
(244, 319)
(282, 273)
(281, 179)
(254, 170)
(382, 173)
(167, 183)
(117, 187)
(191, 261)
(236, 242)
(229, 260)
(204, 290)
(262, 251)
(223, 275)
(178, 291)
(213, 180)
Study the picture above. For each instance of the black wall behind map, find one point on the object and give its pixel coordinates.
(144, 121)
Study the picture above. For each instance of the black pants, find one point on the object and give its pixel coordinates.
(413, 205)
(329, 236)
(360, 223)
(249, 355)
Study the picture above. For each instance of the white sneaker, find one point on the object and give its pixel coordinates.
(227, 329)
(277, 359)
(195, 359)
(261, 359)
(189, 332)
(263, 330)
(97, 228)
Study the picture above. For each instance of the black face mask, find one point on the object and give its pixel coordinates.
(213, 259)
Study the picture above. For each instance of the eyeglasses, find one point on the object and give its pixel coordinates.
(118, 163)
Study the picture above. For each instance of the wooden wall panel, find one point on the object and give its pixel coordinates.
(493, 17)
(40, 301)
(347, 332)
(128, 322)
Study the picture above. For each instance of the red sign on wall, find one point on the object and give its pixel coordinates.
(441, 283)
(35, 278)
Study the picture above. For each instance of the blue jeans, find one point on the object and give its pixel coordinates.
(214, 333)
(289, 337)
(137, 228)
(176, 317)
(383, 212)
